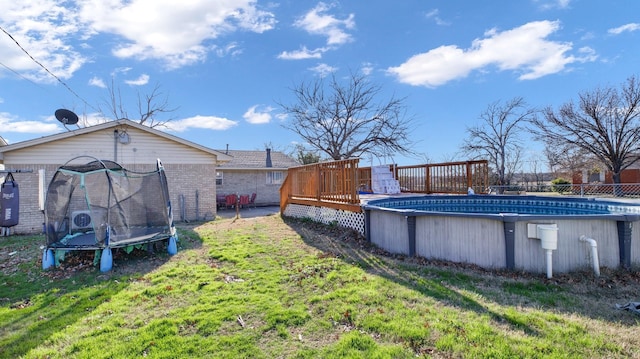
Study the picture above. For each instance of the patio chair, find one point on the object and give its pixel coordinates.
(221, 200)
(231, 201)
(244, 200)
(252, 200)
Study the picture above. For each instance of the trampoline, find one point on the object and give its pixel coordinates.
(100, 205)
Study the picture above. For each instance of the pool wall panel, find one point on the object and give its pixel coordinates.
(389, 231)
(466, 240)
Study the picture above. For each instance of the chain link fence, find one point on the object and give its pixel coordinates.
(621, 190)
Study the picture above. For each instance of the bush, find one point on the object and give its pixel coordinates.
(560, 185)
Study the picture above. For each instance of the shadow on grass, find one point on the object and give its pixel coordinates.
(35, 304)
(573, 293)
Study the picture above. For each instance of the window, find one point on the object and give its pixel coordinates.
(219, 178)
(275, 177)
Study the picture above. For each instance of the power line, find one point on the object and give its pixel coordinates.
(18, 74)
(46, 69)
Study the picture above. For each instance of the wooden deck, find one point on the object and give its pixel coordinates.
(338, 184)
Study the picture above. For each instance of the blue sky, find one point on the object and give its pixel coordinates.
(225, 64)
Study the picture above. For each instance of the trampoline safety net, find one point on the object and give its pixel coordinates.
(101, 204)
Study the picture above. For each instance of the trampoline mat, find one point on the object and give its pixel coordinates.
(133, 236)
(78, 240)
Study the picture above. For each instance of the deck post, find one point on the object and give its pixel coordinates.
(367, 225)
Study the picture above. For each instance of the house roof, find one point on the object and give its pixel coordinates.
(257, 160)
(221, 157)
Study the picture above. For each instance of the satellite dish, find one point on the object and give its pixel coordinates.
(66, 117)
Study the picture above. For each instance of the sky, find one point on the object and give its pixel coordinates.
(223, 66)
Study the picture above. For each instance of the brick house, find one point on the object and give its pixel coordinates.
(629, 175)
(259, 172)
(190, 168)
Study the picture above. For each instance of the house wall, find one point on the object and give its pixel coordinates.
(626, 176)
(629, 175)
(248, 182)
(187, 169)
(144, 148)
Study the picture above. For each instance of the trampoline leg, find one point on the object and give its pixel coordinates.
(48, 258)
(106, 260)
(173, 245)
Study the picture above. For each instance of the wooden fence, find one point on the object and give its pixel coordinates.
(337, 184)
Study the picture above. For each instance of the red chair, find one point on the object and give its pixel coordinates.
(231, 201)
(244, 200)
(252, 201)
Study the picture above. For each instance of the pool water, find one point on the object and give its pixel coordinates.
(491, 204)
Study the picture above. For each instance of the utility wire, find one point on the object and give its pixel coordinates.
(46, 69)
(18, 74)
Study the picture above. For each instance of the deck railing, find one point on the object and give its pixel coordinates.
(449, 177)
(330, 184)
(454, 177)
(337, 184)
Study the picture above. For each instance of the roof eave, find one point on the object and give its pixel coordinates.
(221, 157)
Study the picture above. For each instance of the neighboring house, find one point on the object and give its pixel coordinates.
(190, 168)
(259, 172)
(629, 175)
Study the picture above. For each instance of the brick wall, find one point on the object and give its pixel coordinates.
(31, 218)
(185, 180)
(248, 182)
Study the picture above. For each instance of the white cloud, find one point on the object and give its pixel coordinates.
(230, 49)
(98, 82)
(553, 4)
(323, 69)
(10, 123)
(258, 117)
(628, 27)
(367, 68)
(302, 54)
(120, 70)
(433, 14)
(91, 119)
(141, 80)
(524, 50)
(35, 26)
(161, 29)
(201, 122)
(318, 23)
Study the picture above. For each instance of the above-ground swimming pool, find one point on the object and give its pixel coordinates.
(494, 231)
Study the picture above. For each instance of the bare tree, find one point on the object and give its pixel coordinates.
(346, 121)
(304, 156)
(605, 124)
(498, 137)
(568, 159)
(150, 107)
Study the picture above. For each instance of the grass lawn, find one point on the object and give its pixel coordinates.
(269, 287)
